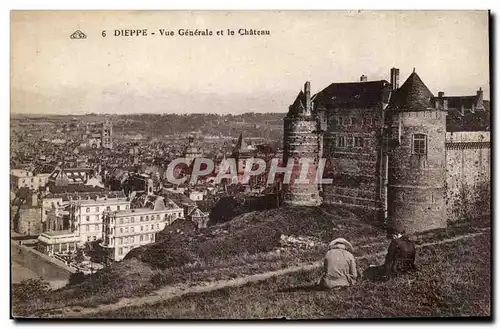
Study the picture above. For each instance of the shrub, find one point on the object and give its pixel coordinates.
(30, 289)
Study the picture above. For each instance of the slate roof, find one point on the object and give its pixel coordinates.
(353, 95)
(43, 169)
(196, 212)
(456, 102)
(72, 175)
(413, 95)
(78, 189)
(298, 107)
(86, 195)
(480, 120)
(177, 198)
(241, 146)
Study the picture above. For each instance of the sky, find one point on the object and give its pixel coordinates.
(54, 74)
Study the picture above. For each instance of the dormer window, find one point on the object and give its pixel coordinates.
(419, 145)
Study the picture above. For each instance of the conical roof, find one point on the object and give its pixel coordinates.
(297, 108)
(241, 146)
(413, 95)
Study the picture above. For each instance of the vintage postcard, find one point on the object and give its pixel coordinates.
(250, 164)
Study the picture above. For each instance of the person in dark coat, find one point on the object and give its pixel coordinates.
(400, 256)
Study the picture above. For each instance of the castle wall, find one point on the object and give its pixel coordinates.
(301, 141)
(468, 162)
(27, 220)
(416, 186)
(352, 148)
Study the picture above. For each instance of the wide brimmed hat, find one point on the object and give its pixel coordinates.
(343, 241)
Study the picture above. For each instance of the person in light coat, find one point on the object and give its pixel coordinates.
(339, 265)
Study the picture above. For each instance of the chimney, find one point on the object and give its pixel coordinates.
(394, 78)
(440, 94)
(363, 78)
(149, 186)
(307, 93)
(479, 99)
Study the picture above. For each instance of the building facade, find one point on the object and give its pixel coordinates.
(396, 152)
(124, 230)
(24, 178)
(88, 215)
(58, 242)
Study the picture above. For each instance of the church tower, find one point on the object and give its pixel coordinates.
(416, 127)
(301, 141)
(107, 135)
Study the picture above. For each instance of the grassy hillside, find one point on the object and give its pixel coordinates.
(252, 233)
(454, 280)
(250, 243)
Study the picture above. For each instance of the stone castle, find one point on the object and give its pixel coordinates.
(398, 152)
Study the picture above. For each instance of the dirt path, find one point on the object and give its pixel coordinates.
(170, 292)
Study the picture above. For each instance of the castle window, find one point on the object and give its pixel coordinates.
(419, 144)
(341, 141)
(333, 142)
(339, 121)
(349, 140)
(358, 141)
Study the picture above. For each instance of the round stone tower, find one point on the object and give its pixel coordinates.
(301, 145)
(416, 125)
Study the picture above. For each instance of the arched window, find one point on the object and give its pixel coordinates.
(419, 144)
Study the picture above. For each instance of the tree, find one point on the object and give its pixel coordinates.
(80, 257)
(30, 289)
(76, 278)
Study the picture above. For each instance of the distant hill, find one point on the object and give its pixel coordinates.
(264, 125)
